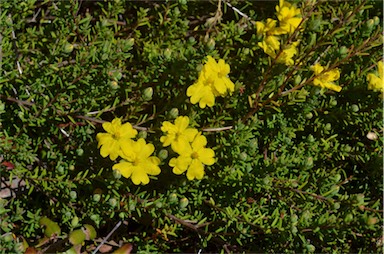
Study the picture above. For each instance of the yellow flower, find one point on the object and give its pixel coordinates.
(325, 78)
(110, 142)
(270, 44)
(202, 94)
(287, 16)
(178, 135)
(193, 158)
(375, 82)
(269, 28)
(213, 81)
(216, 75)
(137, 161)
(287, 54)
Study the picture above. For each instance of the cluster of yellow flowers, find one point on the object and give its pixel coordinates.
(213, 81)
(189, 144)
(376, 82)
(289, 18)
(137, 162)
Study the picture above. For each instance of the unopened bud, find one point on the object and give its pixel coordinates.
(68, 47)
(183, 203)
(142, 134)
(370, 24)
(148, 93)
(172, 198)
(343, 50)
(211, 44)
(376, 20)
(113, 84)
(174, 112)
(163, 154)
(297, 80)
(167, 54)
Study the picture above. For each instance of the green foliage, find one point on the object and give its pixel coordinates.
(299, 168)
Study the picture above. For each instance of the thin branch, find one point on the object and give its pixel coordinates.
(107, 237)
(217, 129)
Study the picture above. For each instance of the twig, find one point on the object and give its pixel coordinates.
(217, 129)
(106, 238)
(238, 11)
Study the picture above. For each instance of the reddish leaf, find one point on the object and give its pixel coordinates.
(8, 164)
(125, 249)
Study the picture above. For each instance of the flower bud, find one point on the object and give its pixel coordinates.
(96, 197)
(142, 134)
(294, 218)
(60, 169)
(310, 248)
(360, 198)
(183, 203)
(355, 108)
(243, 156)
(73, 195)
(372, 221)
(333, 103)
(167, 53)
(347, 148)
(337, 177)
(174, 112)
(163, 154)
(211, 44)
(309, 162)
(158, 204)
(370, 24)
(112, 202)
(172, 198)
(79, 151)
(116, 174)
(309, 115)
(75, 221)
(246, 51)
(95, 218)
(113, 84)
(310, 138)
(376, 20)
(348, 218)
(131, 41)
(343, 51)
(297, 80)
(191, 40)
(147, 94)
(68, 47)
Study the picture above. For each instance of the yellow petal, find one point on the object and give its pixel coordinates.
(125, 168)
(206, 156)
(139, 176)
(195, 170)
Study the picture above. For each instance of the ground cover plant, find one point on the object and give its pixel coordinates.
(191, 126)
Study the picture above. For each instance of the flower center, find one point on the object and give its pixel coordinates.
(136, 162)
(194, 155)
(116, 135)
